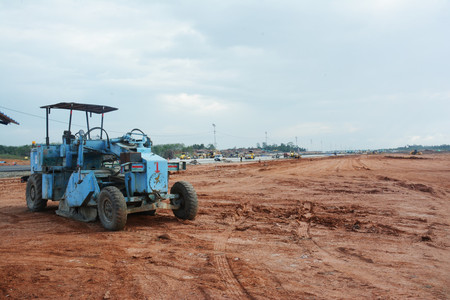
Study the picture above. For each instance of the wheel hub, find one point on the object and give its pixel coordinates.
(32, 193)
(108, 209)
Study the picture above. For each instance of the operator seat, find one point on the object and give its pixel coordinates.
(68, 137)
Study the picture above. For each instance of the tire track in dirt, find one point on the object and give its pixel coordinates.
(9, 217)
(371, 279)
(358, 165)
(303, 232)
(338, 165)
(234, 287)
(337, 263)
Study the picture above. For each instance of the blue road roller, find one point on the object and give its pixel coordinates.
(93, 175)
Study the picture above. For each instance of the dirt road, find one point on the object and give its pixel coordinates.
(340, 227)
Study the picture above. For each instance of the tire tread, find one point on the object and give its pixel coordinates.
(189, 208)
(38, 204)
(120, 206)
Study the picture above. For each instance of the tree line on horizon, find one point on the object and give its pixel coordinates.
(281, 148)
(170, 150)
(443, 147)
(15, 151)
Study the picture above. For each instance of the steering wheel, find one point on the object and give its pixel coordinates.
(93, 128)
(132, 132)
(137, 129)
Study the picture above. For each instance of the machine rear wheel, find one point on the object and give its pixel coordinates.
(112, 208)
(34, 193)
(187, 199)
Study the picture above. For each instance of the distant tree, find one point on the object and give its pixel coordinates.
(168, 154)
(198, 146)
(408, 148)
(20, 151)
(282, 147)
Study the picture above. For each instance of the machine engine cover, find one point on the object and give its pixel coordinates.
(157, 174)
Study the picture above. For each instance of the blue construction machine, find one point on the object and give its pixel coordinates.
(105, 177)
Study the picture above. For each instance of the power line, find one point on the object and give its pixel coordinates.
(120, 132)
(203, 134)
(32, 115)
(200, 134)
(53, 120)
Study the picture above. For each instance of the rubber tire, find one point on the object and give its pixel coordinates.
(34, 193)
(188, 197)
(112, 209)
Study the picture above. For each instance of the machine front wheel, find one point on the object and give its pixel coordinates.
(34, 193)
(187, 200)
(112, 208)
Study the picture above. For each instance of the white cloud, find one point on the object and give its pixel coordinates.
(389, 10)
(319, 129)
(192, 104)
(351, 71)
(305, 129)
(434, 139)
(245, 51)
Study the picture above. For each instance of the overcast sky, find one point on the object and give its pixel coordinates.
(335, 74)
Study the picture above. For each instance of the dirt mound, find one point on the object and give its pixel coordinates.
(417, 187)
(404, 157)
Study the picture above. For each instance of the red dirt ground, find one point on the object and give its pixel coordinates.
(339, 227)
(10, 162)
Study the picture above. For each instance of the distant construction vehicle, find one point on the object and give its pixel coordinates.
(294, 155)
(184, 156)
(249, 155)
(415, 152)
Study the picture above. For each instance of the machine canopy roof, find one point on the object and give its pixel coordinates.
(4, 119)
(98, 109)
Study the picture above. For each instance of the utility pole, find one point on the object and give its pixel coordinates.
(296, 143)
(215, 144)
(266, 138)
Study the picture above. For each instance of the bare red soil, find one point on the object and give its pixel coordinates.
(10, 162)
(339, 227)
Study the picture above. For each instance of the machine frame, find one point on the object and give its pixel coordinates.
(108, 178)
